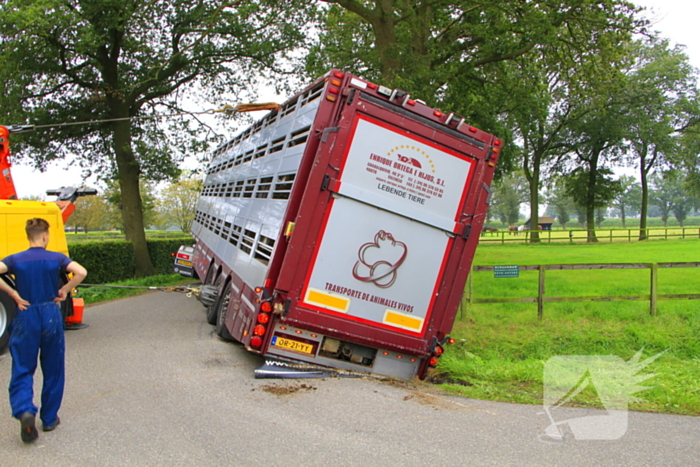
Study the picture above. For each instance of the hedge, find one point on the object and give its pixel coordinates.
(112, 261)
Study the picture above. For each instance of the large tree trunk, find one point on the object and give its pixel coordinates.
(644, 169)
(128, 169)
(622, 215)
(645, 205)
(590, 204)
(132, 209)
(384, 33)
(533, 178)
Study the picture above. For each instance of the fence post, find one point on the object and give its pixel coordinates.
(540, 293)
(654, 288)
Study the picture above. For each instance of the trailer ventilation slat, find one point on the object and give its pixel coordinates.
(312, 94)
(247, 241)
(226, 231)
(263, 252)
(235, 235)
(283, 186)
(288, 108)
(276, 145)
(264, 187)
(260, 151)
(299, 137)
(249, 188)
(238, 188)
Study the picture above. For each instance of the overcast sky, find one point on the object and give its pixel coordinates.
(675, 19)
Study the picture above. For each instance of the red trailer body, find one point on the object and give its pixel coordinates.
(340, 230)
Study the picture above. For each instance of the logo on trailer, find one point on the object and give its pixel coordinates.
(379, 260)
(413, 161)
(409, 160)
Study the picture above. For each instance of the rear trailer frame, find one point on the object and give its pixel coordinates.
(340, 227)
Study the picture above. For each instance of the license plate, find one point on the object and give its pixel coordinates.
(292, 345)
(184, 263)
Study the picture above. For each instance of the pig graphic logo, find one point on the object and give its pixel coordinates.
(379, 260)
(409, 160)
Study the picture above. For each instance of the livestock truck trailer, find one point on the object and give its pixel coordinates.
(339, 230)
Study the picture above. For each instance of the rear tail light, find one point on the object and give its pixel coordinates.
(259, 330)
(451, 340)
(263, 318)
(433, 361)
(438, 351)
(266, 307)
(338, 74)
(255, 341)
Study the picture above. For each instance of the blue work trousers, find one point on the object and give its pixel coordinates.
(37, 333)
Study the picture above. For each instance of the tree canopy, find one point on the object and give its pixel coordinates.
(124, 64)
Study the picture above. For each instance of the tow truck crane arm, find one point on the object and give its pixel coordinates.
(7, 185)
(67, 196)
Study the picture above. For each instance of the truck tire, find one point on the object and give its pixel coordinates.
(221, 307)
(212, 309)
(7, 314)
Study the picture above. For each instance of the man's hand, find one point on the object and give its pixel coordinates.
(62, 295)
(22, 304)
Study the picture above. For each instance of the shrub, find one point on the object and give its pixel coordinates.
(113, 261)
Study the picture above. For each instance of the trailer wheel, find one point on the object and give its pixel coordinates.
(7, 314)
(212, 310)
(221, 307)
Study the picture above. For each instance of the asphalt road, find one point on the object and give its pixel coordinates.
(148, 385)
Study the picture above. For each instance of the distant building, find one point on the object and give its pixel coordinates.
(544, 222)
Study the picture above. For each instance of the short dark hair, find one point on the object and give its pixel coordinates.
(35, 227)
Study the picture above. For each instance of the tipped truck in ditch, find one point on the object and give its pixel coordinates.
(340, 229)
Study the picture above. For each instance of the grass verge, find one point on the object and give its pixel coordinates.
(104, 294)
(502, 349)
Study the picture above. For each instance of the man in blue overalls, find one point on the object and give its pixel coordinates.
(38, 326)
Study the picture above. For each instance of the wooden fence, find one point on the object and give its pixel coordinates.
(541, 298)
(581, 236)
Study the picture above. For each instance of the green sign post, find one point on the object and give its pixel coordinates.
(506, 271)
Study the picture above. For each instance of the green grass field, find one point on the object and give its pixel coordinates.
(502, 349)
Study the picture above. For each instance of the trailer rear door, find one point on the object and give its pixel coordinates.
(397, 206)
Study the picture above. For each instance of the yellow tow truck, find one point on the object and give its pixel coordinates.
(14, 214)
